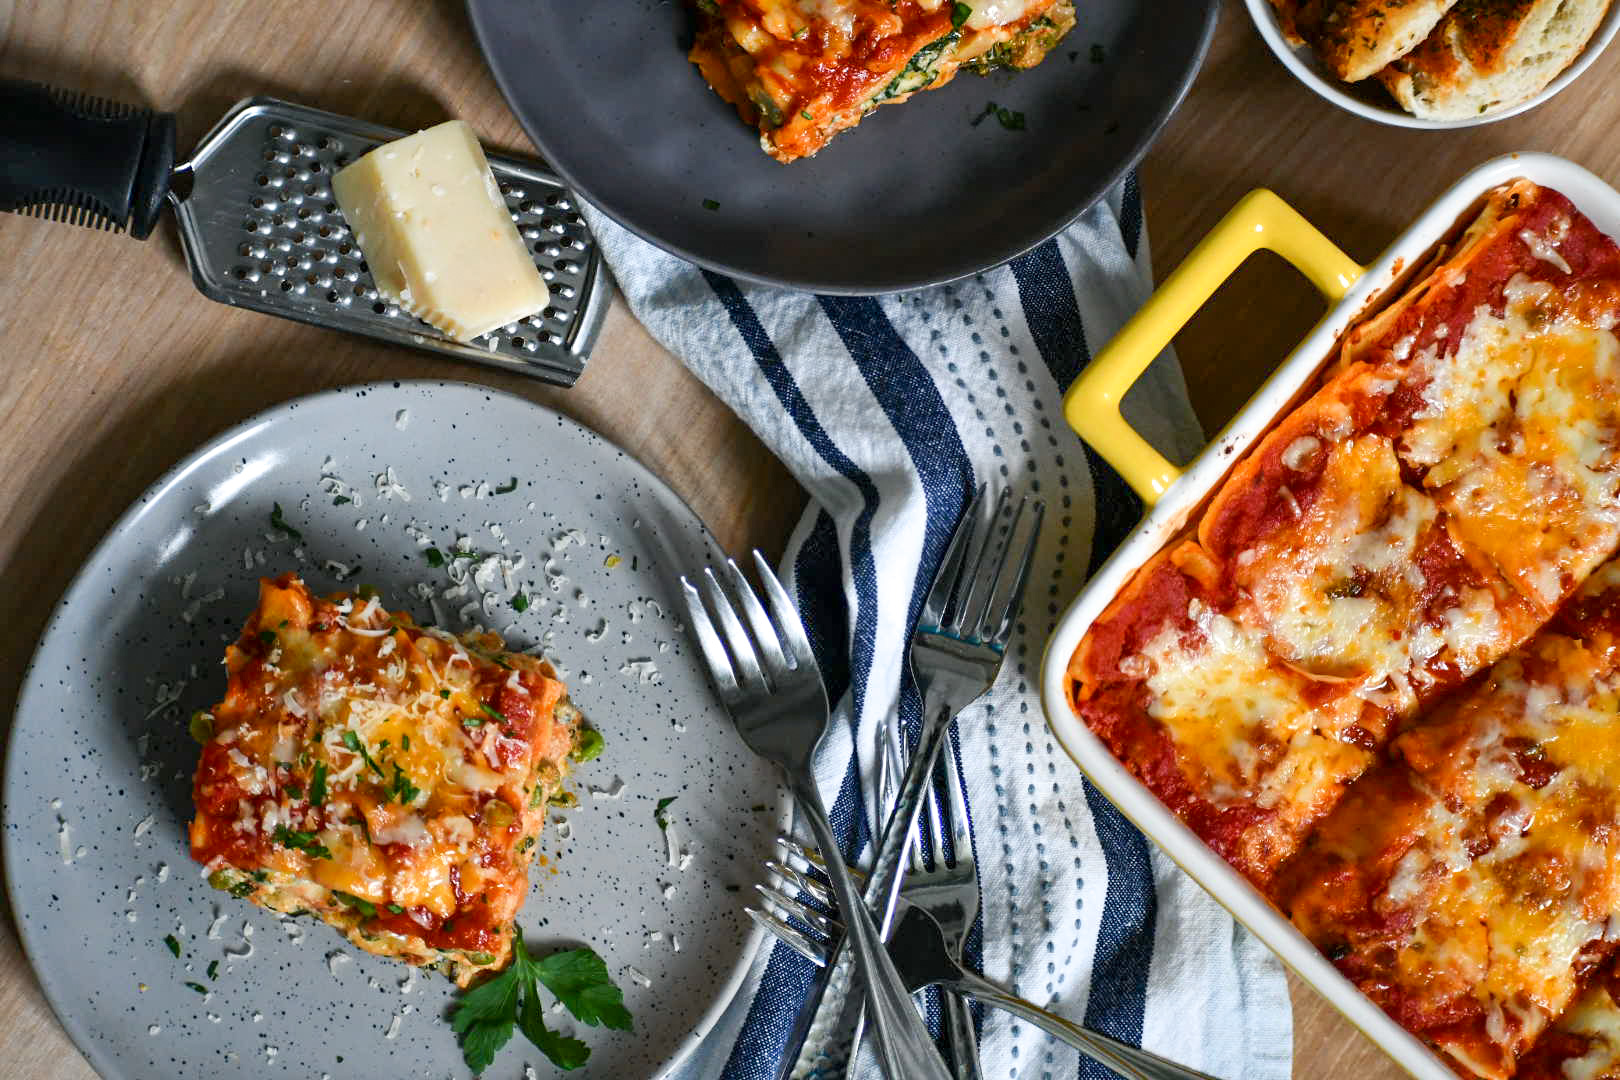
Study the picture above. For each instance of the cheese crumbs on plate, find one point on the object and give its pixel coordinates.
(390, 779)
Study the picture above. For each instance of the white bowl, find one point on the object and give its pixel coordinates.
(1369, 100)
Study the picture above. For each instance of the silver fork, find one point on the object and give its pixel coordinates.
(950, 892)
(956, 652)
(920, 953)
(781, 712)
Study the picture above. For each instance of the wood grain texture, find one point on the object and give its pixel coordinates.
(114, 367)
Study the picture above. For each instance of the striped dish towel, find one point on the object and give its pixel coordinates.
(889, 410)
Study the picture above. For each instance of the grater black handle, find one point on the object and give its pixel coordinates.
(72, 157)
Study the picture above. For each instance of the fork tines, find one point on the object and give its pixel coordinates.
(750, 662)
(977, 590)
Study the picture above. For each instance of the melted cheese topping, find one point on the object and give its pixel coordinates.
(1341, 593)
(1520, 432)
(1238, 720)
(1511, 876)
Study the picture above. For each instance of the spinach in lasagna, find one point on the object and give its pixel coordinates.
(389, 779)
(801, 71)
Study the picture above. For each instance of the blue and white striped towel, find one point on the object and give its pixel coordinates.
(889, 410)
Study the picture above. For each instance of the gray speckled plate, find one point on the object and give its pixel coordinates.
(920, 193)
(98, 777)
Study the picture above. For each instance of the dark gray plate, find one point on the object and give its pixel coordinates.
(917, 194)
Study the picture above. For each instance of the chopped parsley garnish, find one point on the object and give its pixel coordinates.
(199, 987)
(352, 741)
(295, 790)
(444, 693)
(1010, 119)
(267, 636)
(960, 13)
(364, 907)
(658, 813)
(404, 742)
(472, 721)
(520, 602)
(508, 487)
(173, 943)
(341, 500)
(589, 745)
(495, 714)
(435, 557)
(806, 114)
(317, 785)
(402, 788)
(279, 523)
(213, 969)
(710, 204)
(301, 841)
(486, 1015)
(396, 909)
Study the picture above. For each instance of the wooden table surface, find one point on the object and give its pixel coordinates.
(114, 367)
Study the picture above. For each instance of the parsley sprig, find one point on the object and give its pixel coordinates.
(486, 1014)
(658, 814)
(279, 523)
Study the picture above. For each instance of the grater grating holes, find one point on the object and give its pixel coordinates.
(305, 196)
(297, 247)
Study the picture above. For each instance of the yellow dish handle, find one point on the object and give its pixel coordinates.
(1259, 220)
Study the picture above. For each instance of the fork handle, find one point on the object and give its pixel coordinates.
(1123, 1058)
(959, 1034)
(903, 1044)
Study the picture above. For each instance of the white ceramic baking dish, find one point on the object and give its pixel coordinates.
(1260, 221)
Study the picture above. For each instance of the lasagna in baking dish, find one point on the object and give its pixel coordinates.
(801, 71)
(1379, 673)
(389, 779)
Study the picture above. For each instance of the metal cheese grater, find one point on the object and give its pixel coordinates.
(260, 227)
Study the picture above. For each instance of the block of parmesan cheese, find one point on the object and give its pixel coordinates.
(435, 231)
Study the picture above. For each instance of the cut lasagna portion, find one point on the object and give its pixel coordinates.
(390, 779)
(1470, 885)
(1353, 574)
(1246, 749)
(1505, 370)
(801, 71)
(1249, 675)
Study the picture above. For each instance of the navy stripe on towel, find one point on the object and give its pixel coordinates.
(1119, 972)
(1125, 937)
(908, 396)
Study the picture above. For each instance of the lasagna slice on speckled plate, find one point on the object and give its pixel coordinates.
(388, 778)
